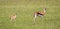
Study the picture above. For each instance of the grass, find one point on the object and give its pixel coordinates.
(25, 10)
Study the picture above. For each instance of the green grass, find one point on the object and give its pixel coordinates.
(25, 10)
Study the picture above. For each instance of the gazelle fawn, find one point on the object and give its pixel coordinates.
(13, 17)
(42, 13)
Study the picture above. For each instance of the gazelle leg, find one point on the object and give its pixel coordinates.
(35, 18)
(14, 20)
(11, 19)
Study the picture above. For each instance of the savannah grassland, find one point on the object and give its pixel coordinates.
(25, 9)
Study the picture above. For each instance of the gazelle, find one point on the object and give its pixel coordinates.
(42, 13)
(13, 17)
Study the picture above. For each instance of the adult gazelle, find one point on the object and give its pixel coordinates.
(13, 17)
(41, 13)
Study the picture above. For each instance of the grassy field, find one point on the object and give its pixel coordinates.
(25, 10)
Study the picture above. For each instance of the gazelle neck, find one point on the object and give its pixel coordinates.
(44, 10)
